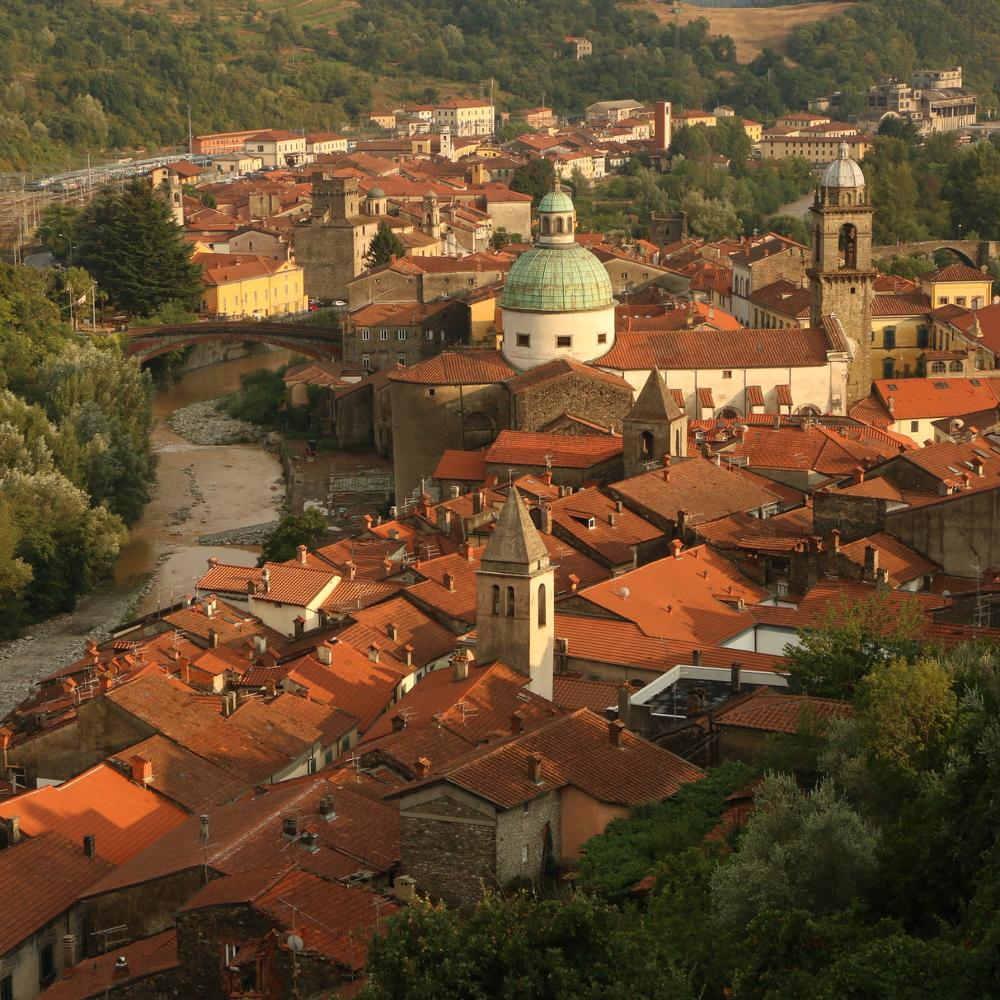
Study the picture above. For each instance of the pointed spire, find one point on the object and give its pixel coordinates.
(515, 540)
(655, 402)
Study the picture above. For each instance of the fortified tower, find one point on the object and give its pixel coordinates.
(841, 279)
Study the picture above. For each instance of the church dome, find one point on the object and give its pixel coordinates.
(557, 279)
(843, 172)
(556, 201)
(375, 193)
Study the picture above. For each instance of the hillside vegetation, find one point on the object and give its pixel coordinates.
(79, 75)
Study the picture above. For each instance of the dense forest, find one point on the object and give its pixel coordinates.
(78, 75)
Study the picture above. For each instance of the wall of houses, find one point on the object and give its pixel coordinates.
(583, 817)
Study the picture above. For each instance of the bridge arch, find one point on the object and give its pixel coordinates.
(146, 343)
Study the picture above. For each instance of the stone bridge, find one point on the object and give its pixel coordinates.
(322, 342)
(972, 252)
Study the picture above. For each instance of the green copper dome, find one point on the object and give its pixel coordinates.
(556, 201)
(556, 279)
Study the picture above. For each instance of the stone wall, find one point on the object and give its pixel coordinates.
(448, 328)
(580, 395)
(855, 517)
(521, 828)
(604, 472)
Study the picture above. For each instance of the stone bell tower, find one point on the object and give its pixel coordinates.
(654, 427)
(841, 279)
(515, 599)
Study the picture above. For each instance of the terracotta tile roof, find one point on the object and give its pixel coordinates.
(289, 583)
(368, 555)
(122, 815)
(827, 594)
(915, 398)
(622, 643)
(912, 304)
(468, 466)
(614, 533)
(754, 395)
(881, 488)
(783, 395)
(181, 776)
(815, 448)
(576, 751)
(91, 977)
(781, 533)
(400, 751)
(785, 297)
(704, 490)
(705, 400)
(956, 465)
(246, 836)
(573, 568)
(429, 640)
(457, 601)
(957, 272)
(292, 723)
(771, 712)
(571, 692)
(902, 562)
(565, 451)
(353, 595)
(894, 284)
(397, 314)
(42, 877)
(717, 349)
(559, 369)
(871, 411)
(476, 707)
(457, 368)
(692, 598)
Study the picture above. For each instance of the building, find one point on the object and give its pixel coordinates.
(324, 143)
(278, 148)
(760, 263)
(611, 112)
(378, 336)
(539, 118)
(816, 148)
(236, 163)
(465, 117)
(237, 285)
(579, 48)
(932, 101)
(216, 143)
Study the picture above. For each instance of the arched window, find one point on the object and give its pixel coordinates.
(546, 227)
(542, 609)
(956, 366)
(646, 444)
(848, 245)
(938, 368)
(977, 302)
(510, 602)
(808, 411)
(730, 413)
(559, 224)
(496, 599)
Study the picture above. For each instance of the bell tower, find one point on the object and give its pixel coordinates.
(841, 280)
(515, 599)
(654, 427)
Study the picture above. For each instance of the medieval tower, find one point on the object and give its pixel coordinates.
(515, 599)
(654, 428)
(841, 279)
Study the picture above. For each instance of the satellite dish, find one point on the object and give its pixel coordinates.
(295, 943)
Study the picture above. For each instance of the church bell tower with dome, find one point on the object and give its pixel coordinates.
(841, 279)
(557, 301)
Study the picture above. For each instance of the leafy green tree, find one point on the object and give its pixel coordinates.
(308, 528)
(260, 397)
(793, 228)
(855, 637)
(535, 177)
(30, 325)
(58, 230)
(136, 252)
(384, 246)
(556, 949)
(502, 238)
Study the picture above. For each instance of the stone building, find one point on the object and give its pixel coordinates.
(654, 427)
(332, 243)
(378, 336)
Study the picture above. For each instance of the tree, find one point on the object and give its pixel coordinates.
(293, 530)
(536, 177)
(136, 252)
(830, 660)
(793, 228)
(384, 246)
(502, 238)
(30, 325)
(58, 230)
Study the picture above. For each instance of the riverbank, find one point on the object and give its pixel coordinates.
(223, 489)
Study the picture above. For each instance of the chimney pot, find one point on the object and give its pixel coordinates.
(517, 723)
(535, 769)
(460, 665)
(696, 657)
(871, 563)
(449, 582)
(69, 952)
(324, 654)
(89, 845)
(142, 769)
(423, 767)
(835, 540)
(676, 547)
(373, 653)
(301, 553)
(615, 728)
(326, 810)
(735, 683)
(404, 888)
(290, 827)
(391, 631)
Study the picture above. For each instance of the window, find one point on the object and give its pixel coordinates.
(914, 426)
(602, 338)
(564, 341)
(889, 338)
(524, 854)
(923, 336)
(46, 965)
(383, 335)
(542, 610)
(229, 951)
(960, 300)
(495, 603)
(942, 300)
(429, 335)
(727, 374)
(510, 602)
(524, 340)
(366, 335)
(430, 392)
(400, 335)
(7, 988)
(401, 359)
(366, 360)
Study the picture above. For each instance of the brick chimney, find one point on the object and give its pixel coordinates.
(517, 723)
(89, 845)
(460, 664)
(735, 683)
(324, 654)
(442, 517)
(300, 552)
(422, 767)
(449, 582)
(676, 548)
(615, 729)
(142, 769)
(535, 768)
(545, 519)
(871, 563)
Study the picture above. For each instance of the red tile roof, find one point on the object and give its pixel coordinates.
(42, 877)
(429, 640)
(915, 398)
(911, 304)
(903, 563)
(559, 369)
(91, 977)
(457, 368)
(717, 349)
(576, 751)
(705, 400)
(289, 583)
(693, 598)
(957, 272)
(768, 711)
(353, 595)
(813, 448)
(955, 465)
(571, 692)
(467, 466)
(564, 451)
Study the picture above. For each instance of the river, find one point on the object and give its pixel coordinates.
(200, 489)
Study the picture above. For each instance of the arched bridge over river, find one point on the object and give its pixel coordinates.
(322, 342)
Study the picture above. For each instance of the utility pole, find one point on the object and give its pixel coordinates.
(190, 133)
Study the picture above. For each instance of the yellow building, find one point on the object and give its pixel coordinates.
(901, 333)
(238, 285)
(959, 285)
(682, 119)
(816, 149)
(754, 130)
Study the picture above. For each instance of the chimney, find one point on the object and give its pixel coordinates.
(882, 579)
(391, 631)
(859, 474)
(374, 652)
(871, 563)
(398, 723)
(11, 827)
(260, 643)
(666, 473)
(890, 402)
(142, 769)
(324, 654)
(213, 638)
(574, 582)
(977, 465)
(478, 497)
(423, 767)
(121, 967)
(735, 684)
(326, 810)
(619, 507)
(68, 952)
(681, 521)
(408, 655)
(696, 657)
(443, 518)
(251, 588)
(517, 723)
(460, 665)
(468, 552)
(546, 519)
(611, 519)
(449, 582)
(835, 541)
(89, 845)
(404, 888)
(290, 827)
(300, 552)
(535, 769)
(615, 727)
(676, 548)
